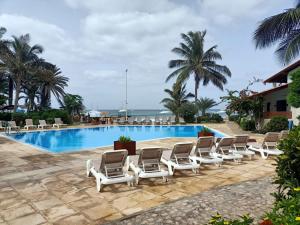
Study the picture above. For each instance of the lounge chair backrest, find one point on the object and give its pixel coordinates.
(271, 140)
(112, 162)
(181, 120)
(204, 146)
(165, 119)
(121, 120)
(172, 119)
(283, 134)
(29, 122)
(12, 123)
(130, 119)
(149, 159)
(42, 122)
(58, 121)
(240, 141)
(181, 150)
(1, 124)
(224, 144)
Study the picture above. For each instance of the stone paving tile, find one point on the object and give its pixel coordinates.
(57, 189)
(73, 220)
(33, 219)
(15, 212)
(58, 212)
(231, 201)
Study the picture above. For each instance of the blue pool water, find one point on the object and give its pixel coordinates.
(68, 140)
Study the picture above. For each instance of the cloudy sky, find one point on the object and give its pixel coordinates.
(94, 41)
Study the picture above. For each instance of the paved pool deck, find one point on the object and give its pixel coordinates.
(37, 187)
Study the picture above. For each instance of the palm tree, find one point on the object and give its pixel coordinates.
(282, 28)
(52, 82)
(20, 59)
(73, 104)
(197, 62)
(178, 97)
(203, 104)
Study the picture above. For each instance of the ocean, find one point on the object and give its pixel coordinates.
(151, 112)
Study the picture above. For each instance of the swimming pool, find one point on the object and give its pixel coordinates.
(67, 140)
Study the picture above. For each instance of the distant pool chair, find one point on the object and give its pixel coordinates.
(43, 124)
(110, 169)
(130, 120)
(224, 150)
(148, 121)
(164, 120)
(240, 146)
(203, 152)
(2, 127)
(182, 121)
(180, 158)
(13, 126)
(139, 120)
(156, 120)
(58, 123)
(121, 121)
(283, 134)
(29, 124)
(172, 120)
(147, 164)
(268, 147)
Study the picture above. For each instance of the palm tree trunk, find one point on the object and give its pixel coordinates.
(10, 91)
(17, 94)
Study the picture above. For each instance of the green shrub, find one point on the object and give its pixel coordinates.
(286, 211)
(5, 116)
(124, 139)
(188, 112)
(276, 124)
(48, 115)
(210, 118)
(288, 169)
(294, 89)
(247, 125)
(234, 118)
(219, 220)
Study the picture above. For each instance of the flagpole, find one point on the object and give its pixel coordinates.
(126, 102)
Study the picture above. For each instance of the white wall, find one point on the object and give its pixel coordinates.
(274, 97)
(296, 113)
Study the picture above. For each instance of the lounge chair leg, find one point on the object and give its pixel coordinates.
(263, 155)
(165, 179)
(88, 168)
(129, 183)
(98, 184)
(136, 180)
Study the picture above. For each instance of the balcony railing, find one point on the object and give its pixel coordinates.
(269, 115)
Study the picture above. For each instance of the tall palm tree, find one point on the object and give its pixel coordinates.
(19, 60)
(3, 73)
(52, 81)
(178, 96)
(282, 28)
(204, 104)
(197, 62)
(73, 104)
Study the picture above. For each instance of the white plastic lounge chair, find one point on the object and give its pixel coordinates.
(29, 124)
(203, 152)
(2, 127)
(121, 121)
(43, 124)
(172, 120)
(224, 150)
(58, 123)
(164, 120)
(110, 169)
(130, 120)
(240, 146)
(13, 126)
(139, 120)
(268, 147)
(147, 164)
(181, 120)
(179, 158)
(156, 120)
(148, 121)
(283, 134)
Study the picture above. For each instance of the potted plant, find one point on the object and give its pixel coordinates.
(125, 143)
(205, 132)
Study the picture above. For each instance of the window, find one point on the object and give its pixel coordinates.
(268, 106)
(281, 106)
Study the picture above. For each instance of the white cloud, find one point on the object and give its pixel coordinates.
(113, 35)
